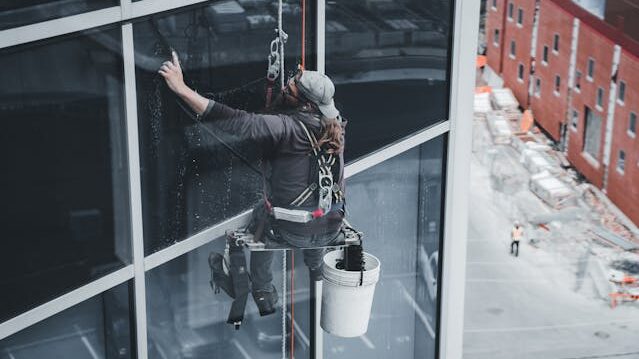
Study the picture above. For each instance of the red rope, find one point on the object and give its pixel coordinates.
(303, 33)
(292, 305)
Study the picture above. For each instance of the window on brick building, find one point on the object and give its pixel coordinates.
(591, 68)
(511, 8)
(557, 84)
(496, 37)
(513, 48)
(574, 119)
(555, 43)
(538, 87)
(600, 97)
(578, 80)
(632, 124)
(621, 95)
(544, 56)
(520, 72)
(494, 5)
(621, 161)
(520, 16)
(592, 134)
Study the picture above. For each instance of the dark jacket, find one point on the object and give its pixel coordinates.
(288, 151)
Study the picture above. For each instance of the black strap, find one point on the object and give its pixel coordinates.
(240, 280)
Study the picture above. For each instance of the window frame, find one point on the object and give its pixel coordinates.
(599, 101)
(510, 11)
(590, 69)
(520, 72)
(621, 162)
(544, 55)
(621, 92)
(555, 44)
(520, 17)
(513, 49)
(537, 87)
(496, 37)
(631, 130)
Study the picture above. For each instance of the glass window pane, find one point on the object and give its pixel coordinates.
(100, 327)
(389, 61)
(14, 13)
(397, 204)
(65, 182)
(186, 319)
(189, 179)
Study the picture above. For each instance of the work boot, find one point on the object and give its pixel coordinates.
(265, 300)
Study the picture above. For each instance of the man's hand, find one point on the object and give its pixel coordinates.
(172, 73)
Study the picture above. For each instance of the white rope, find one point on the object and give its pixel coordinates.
(280, 33)
(284, 278)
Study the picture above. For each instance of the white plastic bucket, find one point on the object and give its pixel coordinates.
(346, 305)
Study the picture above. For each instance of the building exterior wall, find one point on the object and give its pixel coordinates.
(596, 40)
(591, 45)
(623, 187)
(495, 21)
(550, 107)
(522, 36)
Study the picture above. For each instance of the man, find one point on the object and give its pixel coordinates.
(296, 144)
(515, 236)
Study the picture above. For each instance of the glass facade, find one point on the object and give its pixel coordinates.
(190, 181)
(99, 327)
(65, 180)
(91, 133)
(397, 204)
(14, 13)
(389, 62)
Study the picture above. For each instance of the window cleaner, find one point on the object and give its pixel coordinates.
(304, 199)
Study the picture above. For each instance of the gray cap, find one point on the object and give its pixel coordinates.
(320, 90)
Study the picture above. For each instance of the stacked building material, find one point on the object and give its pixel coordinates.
(498, 127)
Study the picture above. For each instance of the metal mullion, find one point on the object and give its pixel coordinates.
(57, 27)
(395, 149)
(321, 36)
(65, 301)
(453, 275)
(137, 233)
(126, 9)
(194, 242)
(148, 7)
(317, 336)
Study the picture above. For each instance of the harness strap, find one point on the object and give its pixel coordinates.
(240, 284)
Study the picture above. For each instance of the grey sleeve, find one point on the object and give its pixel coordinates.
(266, 130)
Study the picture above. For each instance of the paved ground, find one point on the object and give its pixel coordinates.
(550, 301)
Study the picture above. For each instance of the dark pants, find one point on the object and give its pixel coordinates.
(514, 248)
(261, 274)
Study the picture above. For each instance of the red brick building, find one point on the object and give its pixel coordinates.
(509, 45)
(623, 176)
(582, 85)
(552, 63)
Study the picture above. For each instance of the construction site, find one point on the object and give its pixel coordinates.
(573, 290)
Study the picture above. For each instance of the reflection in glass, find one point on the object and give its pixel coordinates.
(99, 327)
(189, 180)
(397, 204)
(187, 320)
(389, 61)
(64, 184)
(14, 13)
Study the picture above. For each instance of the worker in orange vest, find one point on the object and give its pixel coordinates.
(516, 235)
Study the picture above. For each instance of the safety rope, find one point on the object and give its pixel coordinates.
(292, 304)
(284, 304)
